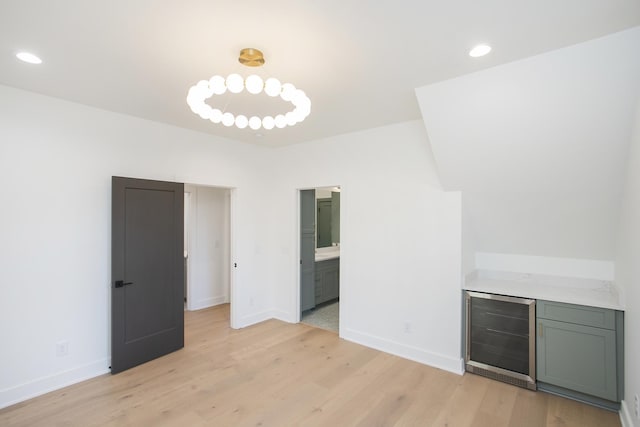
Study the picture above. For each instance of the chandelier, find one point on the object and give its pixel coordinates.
(255, 85)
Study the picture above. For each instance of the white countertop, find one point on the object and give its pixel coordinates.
(331, 252)
(594, 293)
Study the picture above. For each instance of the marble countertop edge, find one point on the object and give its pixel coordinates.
(605, 295)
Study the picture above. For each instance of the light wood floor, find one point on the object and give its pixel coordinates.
(279, 374)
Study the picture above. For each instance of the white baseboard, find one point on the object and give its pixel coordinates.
(207, 302)
(285, 316)
(22, 392)
(252, 319)
(451, 364)
(625, 415)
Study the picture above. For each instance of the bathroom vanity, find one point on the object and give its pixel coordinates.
(327, 274)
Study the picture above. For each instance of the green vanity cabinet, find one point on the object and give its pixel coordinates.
(579, 352)
(327, 277)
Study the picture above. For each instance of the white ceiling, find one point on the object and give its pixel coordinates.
(358, 61)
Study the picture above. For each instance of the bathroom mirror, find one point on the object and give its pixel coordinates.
(327, 217)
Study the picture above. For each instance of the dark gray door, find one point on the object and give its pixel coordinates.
(324, 223)
(147, 271)
(307, 249)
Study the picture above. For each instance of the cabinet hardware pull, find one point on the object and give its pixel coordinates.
(540, 329)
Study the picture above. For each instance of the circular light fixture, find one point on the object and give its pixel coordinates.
(235, 83)
(480, 50)
(28, 57)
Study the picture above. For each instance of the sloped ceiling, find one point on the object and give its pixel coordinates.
(538, 146)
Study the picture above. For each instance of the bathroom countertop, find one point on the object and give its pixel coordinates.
(331, 252)
(589, 292)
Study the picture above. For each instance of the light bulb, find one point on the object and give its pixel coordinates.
(216, 116)
(300, 98)
(304, 110)
(241, 121)
(298, 114)
(205, 111)
(193, 98)
(291, 118)
(193, 92)
(203, 85)
(228, 119)
(196, 94)
(235, 84)
(254, 84)
(280, 121)
(272, 87)
(287, 91)
(217, 84)
(268, 123)
(255, 123)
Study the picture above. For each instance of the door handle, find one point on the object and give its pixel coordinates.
(121, 283)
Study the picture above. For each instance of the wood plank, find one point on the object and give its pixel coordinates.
(279, 374)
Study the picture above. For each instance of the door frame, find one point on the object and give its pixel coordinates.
(296, 261)
(231, 191)
(233, 320)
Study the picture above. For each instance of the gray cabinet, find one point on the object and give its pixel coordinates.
(307, 248)
(579, 351)
(327, 280)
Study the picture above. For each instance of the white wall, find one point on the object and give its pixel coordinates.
(400, 240)
(56, 163)
(208, 261)
(468, 239)
(550, 266)
(538, 146)
(628, 275)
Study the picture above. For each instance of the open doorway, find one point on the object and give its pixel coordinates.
(320, 257)
(207, 255)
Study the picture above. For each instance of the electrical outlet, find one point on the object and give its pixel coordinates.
(251, 301)
(62, 348)
(636, 402)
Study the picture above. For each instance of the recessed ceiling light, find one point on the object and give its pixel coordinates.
(28, 57)
(480, 50)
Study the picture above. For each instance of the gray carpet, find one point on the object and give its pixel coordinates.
(325, 317)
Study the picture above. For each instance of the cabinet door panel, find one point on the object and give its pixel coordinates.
(319, 292)
(577, 357)
(578, 314)
(332, 283)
